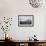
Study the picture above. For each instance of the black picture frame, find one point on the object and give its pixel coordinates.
(25, 20)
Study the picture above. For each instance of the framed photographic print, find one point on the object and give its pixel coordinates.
(25, 20)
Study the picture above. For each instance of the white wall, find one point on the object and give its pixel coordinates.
(45, 29)
(13, 8)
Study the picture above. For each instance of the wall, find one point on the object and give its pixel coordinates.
(13, 8)
(45, 29)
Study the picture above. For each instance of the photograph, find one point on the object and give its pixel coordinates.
(25, 20)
